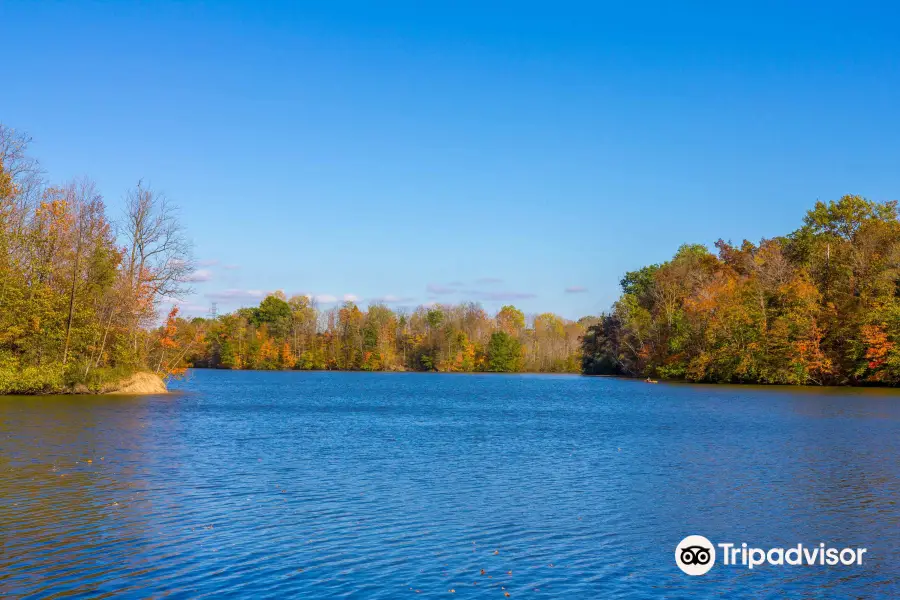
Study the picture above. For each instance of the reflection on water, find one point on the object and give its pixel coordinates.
(381, 485)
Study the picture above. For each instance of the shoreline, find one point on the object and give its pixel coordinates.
(676, 382)
(147, 383)
(142, 383)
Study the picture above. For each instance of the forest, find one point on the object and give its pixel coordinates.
(818, 306)
(79, 293)
(81, 296)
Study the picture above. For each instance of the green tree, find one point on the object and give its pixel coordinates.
(274, 312)
(504, 353)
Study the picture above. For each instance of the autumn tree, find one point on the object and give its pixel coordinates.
(157, 259)
(75, 307)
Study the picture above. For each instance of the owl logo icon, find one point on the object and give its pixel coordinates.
(695, 555)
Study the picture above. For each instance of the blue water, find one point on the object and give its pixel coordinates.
(356, 485)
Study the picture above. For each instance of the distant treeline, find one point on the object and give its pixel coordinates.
(818, 306)
(292, 333)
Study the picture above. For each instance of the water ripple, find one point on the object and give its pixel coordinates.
(274, 485)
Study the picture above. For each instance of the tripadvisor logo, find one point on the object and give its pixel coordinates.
(696, 555)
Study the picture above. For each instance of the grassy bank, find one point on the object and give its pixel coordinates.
(74, 379)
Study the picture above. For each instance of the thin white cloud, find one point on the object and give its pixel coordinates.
(207, 263)
(351, 298)
(436, 288)
(325, 298)
(198, 276)
(505, 296)
(191, 307)
(391, 299)
(576, 289)
(236, 295)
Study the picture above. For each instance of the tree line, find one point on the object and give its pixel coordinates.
(820, 305)
(80, 295)
(293, 333)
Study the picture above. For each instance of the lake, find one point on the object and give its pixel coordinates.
(380, 485)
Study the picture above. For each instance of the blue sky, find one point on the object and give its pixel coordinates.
(446, 151)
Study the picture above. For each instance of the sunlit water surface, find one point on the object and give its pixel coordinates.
(358, 485)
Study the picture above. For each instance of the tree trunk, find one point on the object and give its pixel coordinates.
(71, 303)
